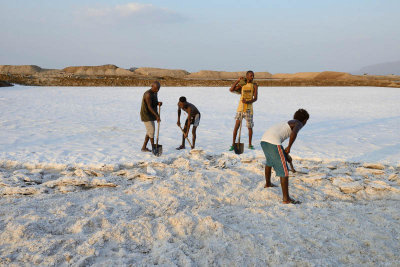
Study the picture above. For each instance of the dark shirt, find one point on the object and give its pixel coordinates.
(145, 113)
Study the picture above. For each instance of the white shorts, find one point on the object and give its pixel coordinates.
(195, 120)
(150, 128)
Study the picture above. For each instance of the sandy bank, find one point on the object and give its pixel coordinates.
(108, 70)
(210, 74)
(112, 75)
(157, 72)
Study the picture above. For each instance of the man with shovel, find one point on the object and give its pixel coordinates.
(276, 156)
(149, 114)
(193, 118)
(249, 93)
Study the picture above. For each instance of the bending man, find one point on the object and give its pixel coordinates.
(276, 157)
(193, 118)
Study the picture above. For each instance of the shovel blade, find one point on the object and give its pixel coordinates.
(238, 148)
(157, 150)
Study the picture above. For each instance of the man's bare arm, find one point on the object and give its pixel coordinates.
(235, 86)
(293, 135)
(189, 111)
(255, 95)
(179, 116)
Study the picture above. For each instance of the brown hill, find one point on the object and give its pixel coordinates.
(325, 75)
(157, 72)
(262, 75)
(333, 75)
(109, 69)
(20, 69)
(210, 74)
(298, 75)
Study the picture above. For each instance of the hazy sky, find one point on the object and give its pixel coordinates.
(274, 35)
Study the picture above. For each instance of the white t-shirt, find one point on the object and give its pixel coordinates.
(277, 134)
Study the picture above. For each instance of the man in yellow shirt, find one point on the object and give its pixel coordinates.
(249, 92)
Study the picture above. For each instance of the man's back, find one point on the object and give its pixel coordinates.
(145, 114)
(193, 110)
(277, 133)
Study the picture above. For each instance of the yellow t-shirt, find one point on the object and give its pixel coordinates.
(247, 94)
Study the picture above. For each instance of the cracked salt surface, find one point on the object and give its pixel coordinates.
(199, 209)
(86, 197)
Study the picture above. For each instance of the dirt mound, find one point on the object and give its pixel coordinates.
(161, 72)
(305, 75)
(333, 75)
(397, 85)
(299, 75)
(325, 75)
(109, 69)
(210, 74)
(282, 76)
(20, 69)
(262, 75)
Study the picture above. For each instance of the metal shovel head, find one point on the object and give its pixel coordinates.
(157, 150)
(238, 148)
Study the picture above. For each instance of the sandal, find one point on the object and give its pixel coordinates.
(292, 201)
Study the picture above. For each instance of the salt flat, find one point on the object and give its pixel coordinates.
(102, 125)
(76, 190)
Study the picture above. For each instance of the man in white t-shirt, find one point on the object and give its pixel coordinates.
(276, 156)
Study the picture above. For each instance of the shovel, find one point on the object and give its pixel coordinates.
(239, 147)
(187, 139)
(157, 150)
(289, 159)
(301, 171)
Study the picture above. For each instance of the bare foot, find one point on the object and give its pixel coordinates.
(146, 150)
(180, 147)
(291, 201)
(270, 185)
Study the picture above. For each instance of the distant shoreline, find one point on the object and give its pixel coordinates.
(111, 75)
(108, 81)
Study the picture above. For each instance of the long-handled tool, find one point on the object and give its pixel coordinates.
(187, 139)
(290, 160)
(157, 150)
(239, 147)
(301, 171)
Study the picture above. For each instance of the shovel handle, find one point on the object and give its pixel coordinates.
(186, 136)
(158, 123)
(241, 119)
(290, 160)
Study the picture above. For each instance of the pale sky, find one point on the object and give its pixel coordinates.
(273, 35)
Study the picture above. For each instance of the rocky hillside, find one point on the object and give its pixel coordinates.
(112, 75)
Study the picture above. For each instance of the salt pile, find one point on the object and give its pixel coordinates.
(75, 188)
